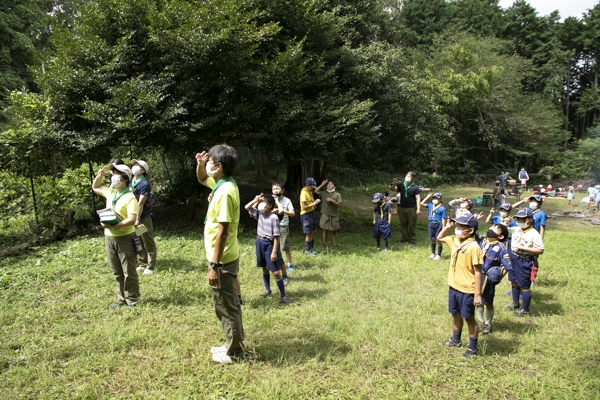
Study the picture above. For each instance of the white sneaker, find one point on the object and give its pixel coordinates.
(221, 358)
(437, 258)
(431, 256)
(148, 271)
(139, 269)
(218, 350)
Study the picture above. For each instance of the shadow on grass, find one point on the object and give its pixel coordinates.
(179, 296)
(280, 349)
(544, 304)
(179, 265)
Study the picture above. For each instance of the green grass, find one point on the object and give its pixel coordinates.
(363, 324)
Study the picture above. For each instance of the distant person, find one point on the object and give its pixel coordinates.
(571, 195)
(214, 170)
(597, 199)
(497, 195)
(437, 219)
(382, 221)
(526, 244)
(409, 206)
(504, 217)
(464, 279)
(524, 178)
(268, 253)
(285, 210)
(501, 180)
(142, 190)
(118, 236)
(591, 196)
(307, 215)
(330, 215)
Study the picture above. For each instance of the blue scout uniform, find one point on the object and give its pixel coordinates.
(436, 216)
(495, 254)
(539, 219)
(382, 229)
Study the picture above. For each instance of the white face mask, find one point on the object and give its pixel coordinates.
(331, 190)
(408, 179)
(522, 225)
(261, 206)
(115, 181)
(459, 233)
(209, 169)
(136, 170)
(435, 201)
(533, 205)
(503, 214)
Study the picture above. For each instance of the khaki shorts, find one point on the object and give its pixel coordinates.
(284, 240)
(329, 223)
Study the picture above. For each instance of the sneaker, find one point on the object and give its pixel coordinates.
(286, 280)
(139, 269)
(521, 313)
(437, 258)
(378, 248)
(386, 249)
(308, 253)
(130, 308)
(266, 293)
(218, 350)
(290, 268)
(470, 354)
(431, 256)
(313, 252)
(450, 343)
(513, 307)
(285, 300)
(221, 358)
(485, 329)
(148, 271)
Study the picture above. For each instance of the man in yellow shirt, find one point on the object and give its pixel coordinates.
(118, 238)
(213, 170)
(307, 215)
(464, 279)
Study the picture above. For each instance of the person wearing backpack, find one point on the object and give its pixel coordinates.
(142, 190)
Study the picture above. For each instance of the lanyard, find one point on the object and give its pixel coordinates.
(115, 197)
(134, 183)
(210, 196)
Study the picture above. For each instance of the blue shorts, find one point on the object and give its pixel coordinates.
(308, 222)
(488, 293)
(264, 248)
(461, 303)
(434, 229)
(382, 231)
(521, 271)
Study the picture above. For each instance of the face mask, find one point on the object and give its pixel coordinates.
(459, 233)
(136, 170)
(522, 225)
(209, 170)
(463, 206)
(435, 201)
(407, 179)
(261, 206)
(533, 205)
(115, 181)
(503, 214)
(331, 190)
(276, 193)
(491, 234)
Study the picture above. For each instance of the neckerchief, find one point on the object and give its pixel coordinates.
(406, 189)
(115, 197)
(459, 246)
(433, 209)
(210, 196)
(134, 183)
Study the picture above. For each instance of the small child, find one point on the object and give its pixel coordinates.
(504, 217)
(437, 219)
(268, 255)
(496, 262)
(307, 215)
(330, 216)
(285, 210)
(382, 220)
(461, 206)
(464, 279)
(597, 198)
(571, 195)
(526, 244)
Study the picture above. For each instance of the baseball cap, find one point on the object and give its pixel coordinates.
(524, 213)
(494, 275)
(123, 168)
(467, 219)
(537, 198)
(437, 195)
(377, 197)
(311, 181)
(141, 163)
(506, 206)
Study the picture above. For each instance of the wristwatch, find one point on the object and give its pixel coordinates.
(214, 265)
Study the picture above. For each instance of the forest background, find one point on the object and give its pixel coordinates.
(357, 91)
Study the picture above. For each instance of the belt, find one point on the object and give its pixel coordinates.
(264, 238)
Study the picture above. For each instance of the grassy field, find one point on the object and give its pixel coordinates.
(364, 324)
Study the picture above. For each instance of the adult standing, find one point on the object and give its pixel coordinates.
(524, 178)
(118, 237)
(141, 190)
(409, 206)
(213, 170)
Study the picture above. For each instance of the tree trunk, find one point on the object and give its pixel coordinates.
(294, 176)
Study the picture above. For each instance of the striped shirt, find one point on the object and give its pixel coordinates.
(268, 226)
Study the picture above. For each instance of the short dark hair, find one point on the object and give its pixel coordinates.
(270, 201)
(117, 161)
(503, 231)
(226, 156)
(411, 173)
(332, 181)
(277, 183)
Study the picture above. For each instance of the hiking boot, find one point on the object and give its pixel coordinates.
(470, 354)
(450, 343)
(485, 329)
(285, 300)
(266, 293)
(521, 313)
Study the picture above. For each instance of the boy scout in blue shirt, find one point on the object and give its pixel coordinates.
(437, 218)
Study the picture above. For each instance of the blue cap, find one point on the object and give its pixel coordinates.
(506, 206)
(377, 197)
(524, 213)
(537, 198)
(310, 181)
(467, 219)
(494, 275)
(437, 195)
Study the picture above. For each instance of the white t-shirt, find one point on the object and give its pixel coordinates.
(287, 206)
(529, 238)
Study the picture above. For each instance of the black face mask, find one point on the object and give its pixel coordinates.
(491, 234)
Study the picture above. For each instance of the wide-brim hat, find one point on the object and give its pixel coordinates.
(122, 168)
(141, 163)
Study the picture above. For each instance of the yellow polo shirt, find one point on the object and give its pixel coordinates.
(306, 196)
(127, 204)
(461, 276)
(224, 207)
